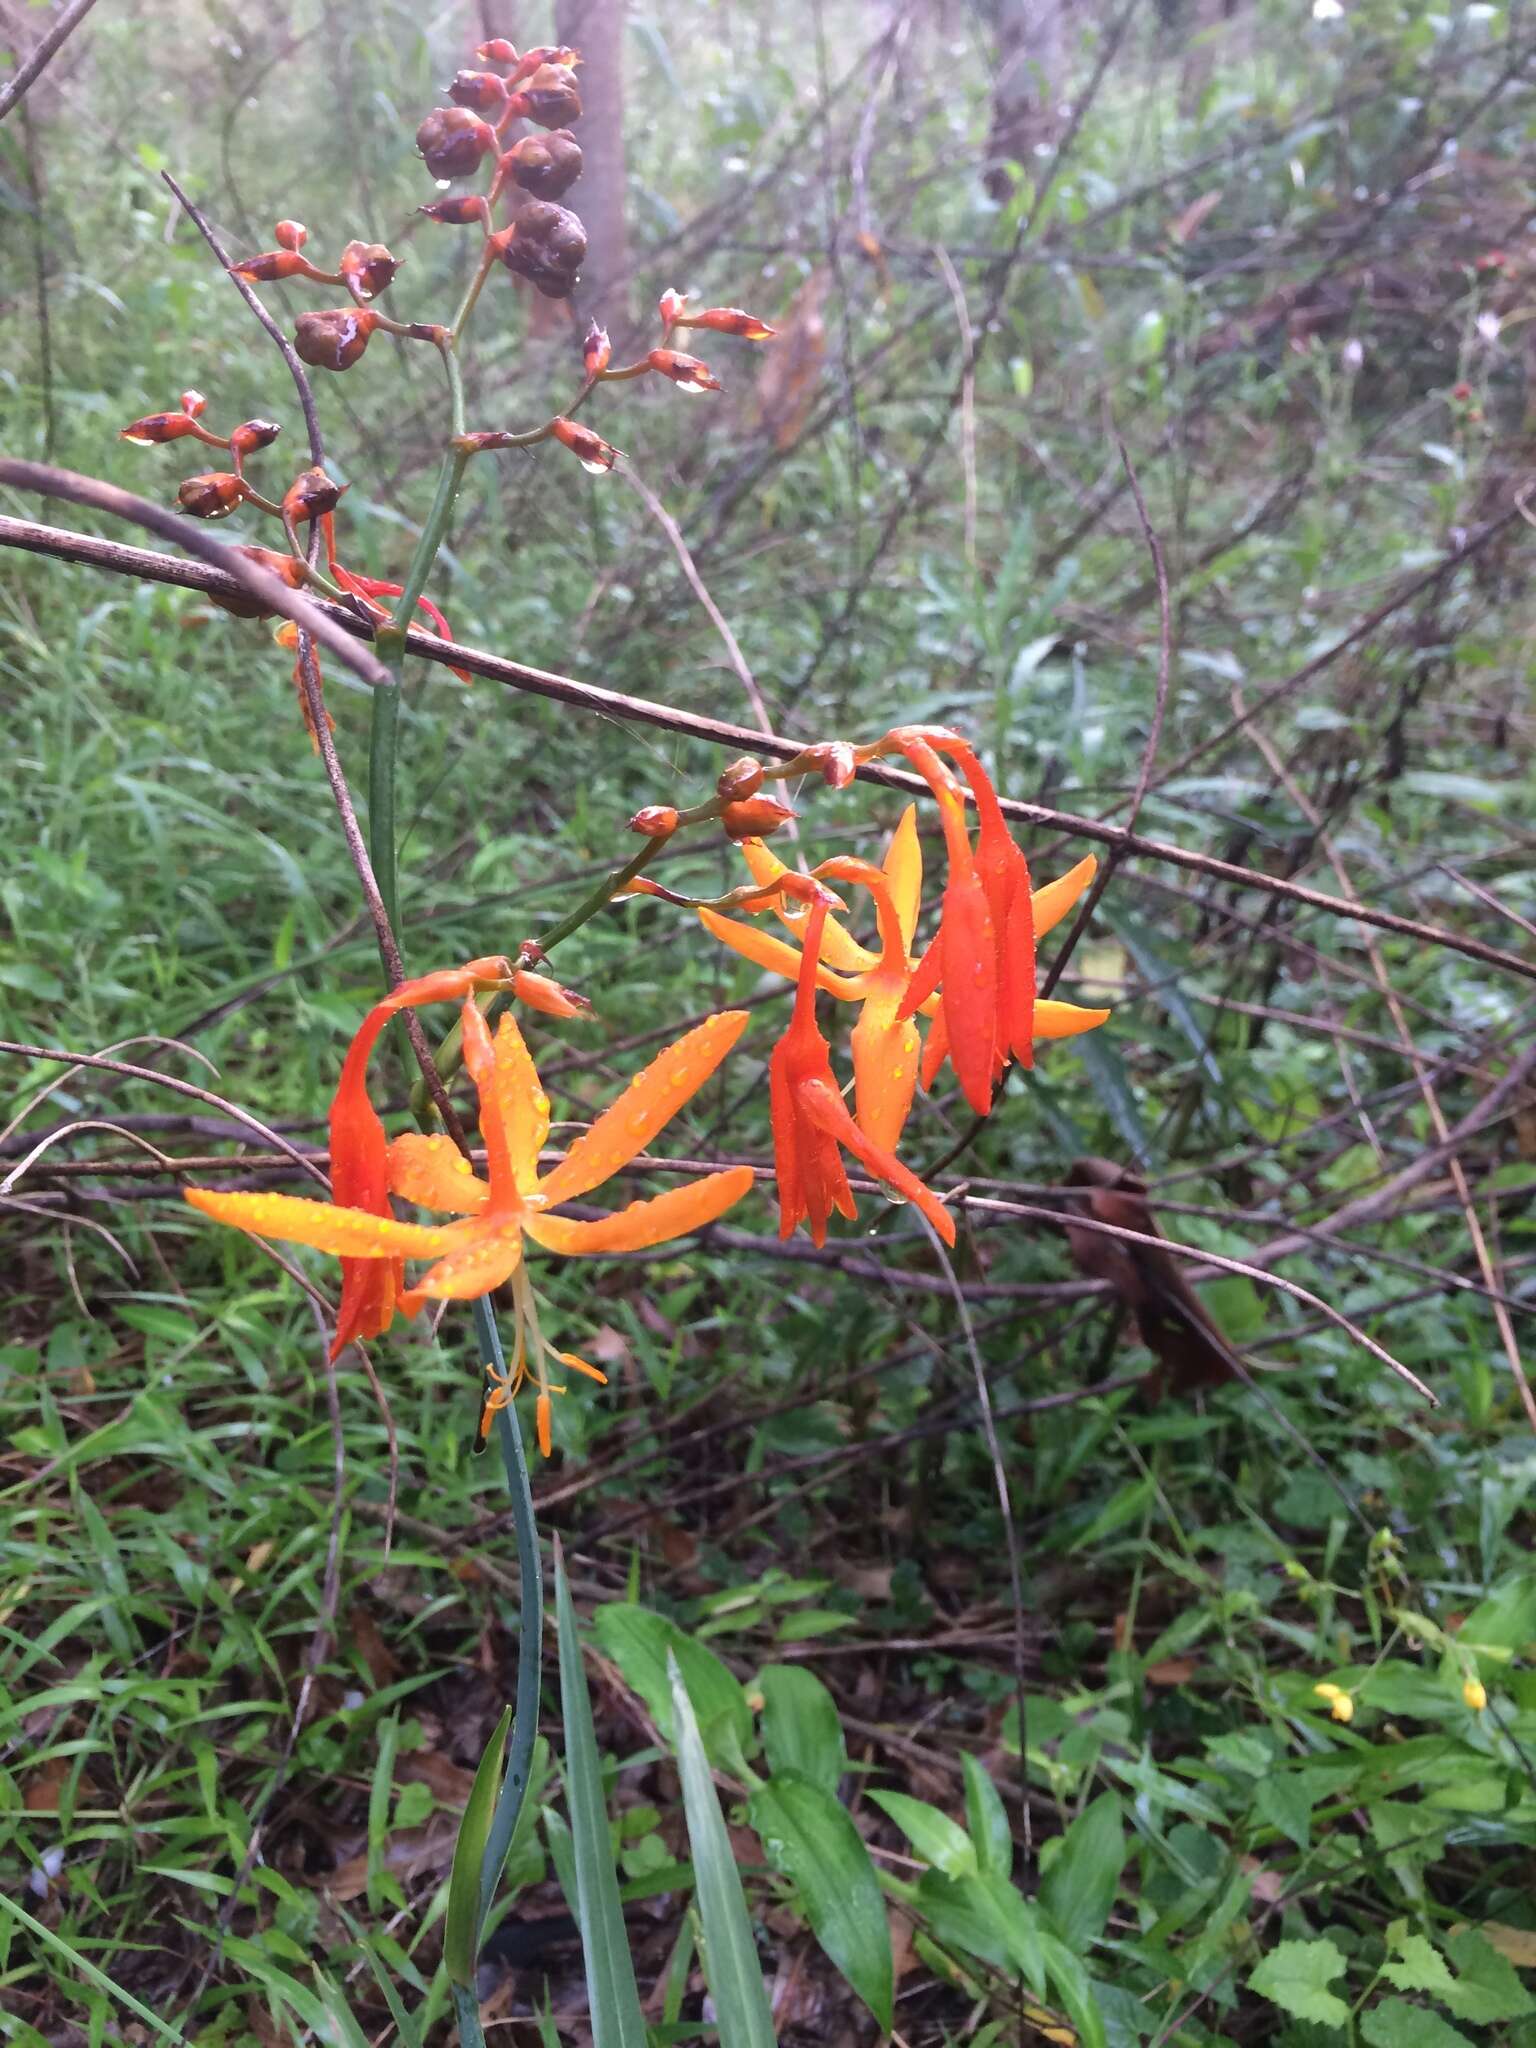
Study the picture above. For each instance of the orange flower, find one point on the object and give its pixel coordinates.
(475, 1255)
(810, 1120)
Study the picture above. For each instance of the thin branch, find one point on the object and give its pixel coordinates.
(18, 87)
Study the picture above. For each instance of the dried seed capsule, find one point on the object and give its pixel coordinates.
(590, 450)
(453, 140)
(212, 496)
(656, 821)
(290, 234)
(367, 268)
(252, 434)
(546, 245)
(731, 320)
(333, 340)
(483, 92)
(596, 350)
(672, 306)
(545, 165)
(283, 567)
(311, 495)
(459, 210)
(742, 778)
(686, 372)
(833, 761)
(193, 403)
(271, 266)
(550, 97)
(754, 817)
(156, 427)
(497, 51)
(535, 60)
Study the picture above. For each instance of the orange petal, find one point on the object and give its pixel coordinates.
(969, 948)
(524, 1105)
(673, 1214)
(580, 1365)
(903, 866)
(478, 1265)
(434, 1173)
(1054, 901)
(763, 950)
(351, 1233)
(1066, 1020)
(650, 1101)
(885, 1065)
(838, 949)
(826, 1109)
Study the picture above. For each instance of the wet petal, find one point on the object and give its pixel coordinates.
(1054, 901)
(351, 1233)
(524, 1105)
(824, 1107)
(644, 1223)
(763, 950)
(903, 866)
(885, 1067)
(838, 949)
(473, 1269)
(433, 1172)
(1066, 1020)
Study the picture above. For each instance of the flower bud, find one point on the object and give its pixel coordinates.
(250, 435)
(672, 306)
(833, 760)
(550, 98)
(546, 246)
(596, 350)
(459, 210)
(754, 817)
(453, 140)
(284, 567)
(483, 92)
(686, 372)
(656, 821)
(312, 494)
(741, 778)
(497, 51)
(156, 427)
(290, 234)
(334, 340)
(367, 268)
(545, 165)
(271, 266)
(540, 993)
(731, 320)
(1475, 1693)
(193, 403)
(590, 450)
(536, 59)
(213, 496)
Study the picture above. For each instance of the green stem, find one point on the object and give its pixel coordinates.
(530, 1625)
(466, 2010)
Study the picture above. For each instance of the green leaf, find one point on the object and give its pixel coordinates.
(731, 1967)
(1419, 1965)
(617, 2021)
(987, 1917)
(1486, 1989)
(1397, 2024)
(640, 1642)
(81, 1968)
(461, 1929)
(1075, 1988)
(1285, 1801)
(801, 1729)
(1296, 1975)
(809, 1838)
(936, 1838)
(1079, 1888)
(987, 1818)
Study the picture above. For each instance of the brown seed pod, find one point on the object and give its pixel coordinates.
(545, 165)
(459, 210)
(453, 141)
(483, 92)
(311, 495)
(156, 427)
(590, 449)
(743, 777)
(333, 340)
(367, 268)
(550, 98)
(211, 496)
(290, 234)
(546, 246)
(754, 817)
(283, 567)
(252, 434)
(656, 821)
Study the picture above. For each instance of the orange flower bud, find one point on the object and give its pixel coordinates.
(546, 245)
(367, 268)
(334, 340)
(284, 567)
(548, 997)
(312, 495)
(590, 450)
(458, 211)
(741, 778)
(483, 92)
(497, 51)
(535, 60)
(834, 761)
(156, 427)
(271, 266)
(672, 306)
(754, 817)
(731, 320)
(290, 234)
(250, 435)
(596, 350)
(193, 403)
(453, 140)
(213, 496)
(550, 98)
(545, 165)
(656, 821)
(686, 372)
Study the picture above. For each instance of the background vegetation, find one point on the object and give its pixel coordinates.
(255, 1616)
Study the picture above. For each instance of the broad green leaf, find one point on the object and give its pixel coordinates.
(1285, 1801)
(810, 1839)
(731, 1968)
(1079, 1888)
(987, 1818)
(1416, 1965)
(461, 1928)
(1296, 1975)
(801, 1729)
(1075, 1988)
(1487, 1989)
(1397, 2024)
(617, 2021)
(985, 1916)
(640, 1642)
(936, 1838)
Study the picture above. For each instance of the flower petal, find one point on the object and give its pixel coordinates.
(524, 1105)
(838, 949)
(650, 1101)
(903, 866)
(472, 1269)
(885, 1068)
(763, 950)
(1066, 1020)
(645, 1223)
(350, 1233)
(825, 1108)
(434, 1173)
(1054, 901)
